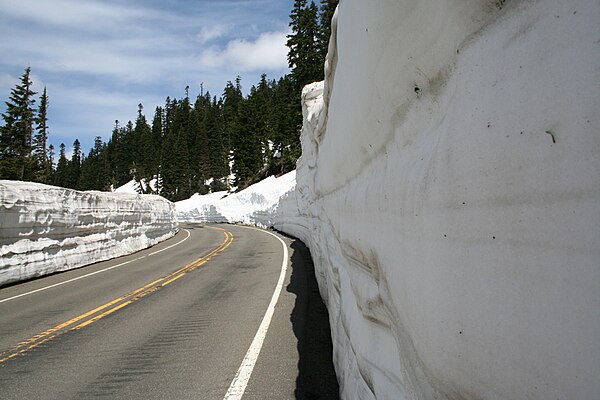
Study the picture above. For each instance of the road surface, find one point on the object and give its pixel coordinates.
(215, 312)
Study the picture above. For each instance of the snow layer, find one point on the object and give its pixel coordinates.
(135, 186)
(254, 205)
(449, 191)
(45, 229)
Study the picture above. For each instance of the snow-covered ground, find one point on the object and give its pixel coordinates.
(45, 229)
(254, 205)
(139, 187)
(449, 191)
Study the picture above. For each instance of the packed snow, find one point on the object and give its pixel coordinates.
(254, 205)
(46, 229)
(138, 186)
(449, 192)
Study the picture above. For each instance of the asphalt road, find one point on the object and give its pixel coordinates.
(172, 322)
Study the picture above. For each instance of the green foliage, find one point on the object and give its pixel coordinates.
(42, 164)
(95, 174)
(304, 56)
(188, 143)
(327, 10)
(16, 135)
(61, 175)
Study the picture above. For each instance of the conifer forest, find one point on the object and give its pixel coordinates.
(188, 145)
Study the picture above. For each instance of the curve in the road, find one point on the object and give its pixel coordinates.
(95, 272)
(238, 385)
(110, 307)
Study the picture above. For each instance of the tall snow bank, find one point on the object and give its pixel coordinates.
(45, 229)
(449, 191)
(254, 205)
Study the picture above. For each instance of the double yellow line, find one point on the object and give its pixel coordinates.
(102, 311)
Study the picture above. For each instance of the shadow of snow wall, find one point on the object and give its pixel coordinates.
(46, 229)
(449, 193)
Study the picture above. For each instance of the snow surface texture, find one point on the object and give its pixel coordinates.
(46, 229)
(254, 205)
(449, 191)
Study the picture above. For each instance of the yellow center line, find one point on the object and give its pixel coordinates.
(125, 300)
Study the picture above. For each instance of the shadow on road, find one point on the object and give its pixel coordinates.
(310, 321)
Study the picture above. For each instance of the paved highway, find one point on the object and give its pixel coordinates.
(217, 312)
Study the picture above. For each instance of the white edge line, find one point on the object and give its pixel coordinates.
(238, 385)
(94, 273)
(173, 245)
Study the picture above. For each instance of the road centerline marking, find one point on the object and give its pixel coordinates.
(116, 304)
(93, 273)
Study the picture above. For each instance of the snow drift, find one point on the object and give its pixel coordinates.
(254, 205)
(45, 229)
(449, 191)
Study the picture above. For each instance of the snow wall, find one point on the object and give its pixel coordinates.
(255, 205)
(449, 191)
(46, 229)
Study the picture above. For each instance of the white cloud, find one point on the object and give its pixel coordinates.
(101, 58)
(267, 52)
(88, 14)
(7, 82)
(208, 33)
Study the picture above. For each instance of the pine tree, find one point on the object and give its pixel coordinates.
(94, 174)
(289, 122)
(326, 14)
(303, 57)
(201, 159)
(41, 162)
(152, 150)
(218, 140)
(51, 162)
(141, 146)
(74, 167)
(61, 176)
(174, 168)
(17, 132)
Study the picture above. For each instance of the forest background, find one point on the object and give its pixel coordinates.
(189, 146)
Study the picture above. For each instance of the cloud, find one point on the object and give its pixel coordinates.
(209, 33)
(69, 14)
(7, 82)
(100, 58)
(267, 53)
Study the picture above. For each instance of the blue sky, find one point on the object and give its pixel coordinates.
(100, 58)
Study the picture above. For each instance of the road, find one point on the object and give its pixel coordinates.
(207, 314)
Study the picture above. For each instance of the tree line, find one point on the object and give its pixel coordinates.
(189, 145)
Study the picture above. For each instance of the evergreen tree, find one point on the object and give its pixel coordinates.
(153, 145)
(51, 161)
(61, 176)
(74, 166)
(247, 154)
(174, 168)
(16, 134)
(120, 154)
(289, 122)
(201, 159)
(218, 141)
(141, 146)
(94, 174)
(41, 161)
(325, 16)
(303, 57)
